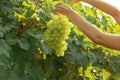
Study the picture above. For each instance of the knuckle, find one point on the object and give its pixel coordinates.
(59, 4)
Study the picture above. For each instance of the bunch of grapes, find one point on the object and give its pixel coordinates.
(58, 30)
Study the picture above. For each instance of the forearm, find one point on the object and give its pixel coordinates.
(105, 7)
(95, 34)
(87, 28)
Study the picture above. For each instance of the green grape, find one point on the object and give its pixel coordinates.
(58, 30)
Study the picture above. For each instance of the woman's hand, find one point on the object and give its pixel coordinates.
(62, 8)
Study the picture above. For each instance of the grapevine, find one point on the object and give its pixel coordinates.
(37, 46)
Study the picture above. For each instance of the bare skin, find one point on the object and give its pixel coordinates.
(91, 31)
(105, 7)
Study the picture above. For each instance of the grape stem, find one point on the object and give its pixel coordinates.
(28, 22)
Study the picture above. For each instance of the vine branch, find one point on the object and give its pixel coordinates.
(28, 22)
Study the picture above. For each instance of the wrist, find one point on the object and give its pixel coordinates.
(71, 13)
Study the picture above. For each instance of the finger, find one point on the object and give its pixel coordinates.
(59, 4)
(58, 10)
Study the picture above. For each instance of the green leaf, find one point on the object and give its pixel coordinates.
(91, 19)
(1, 34)
(11, 38)
(45, 47)
(3, 73)
(16, 2)
(89, 10)
(2, 64)
(115, 64)
(6, 9)
(32, 34)
(4, 48)
(78, 56)
(84, 59)
(3, 51)
(104, 21)
(98, 57)
(24, 44)
(79, 40)
(93, 58)
(28, 13)
(17, 10)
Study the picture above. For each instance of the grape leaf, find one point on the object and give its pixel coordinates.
(4, 48)
(1, 34)
(24, 44)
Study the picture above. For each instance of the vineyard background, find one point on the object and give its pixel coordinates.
(26, 55)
